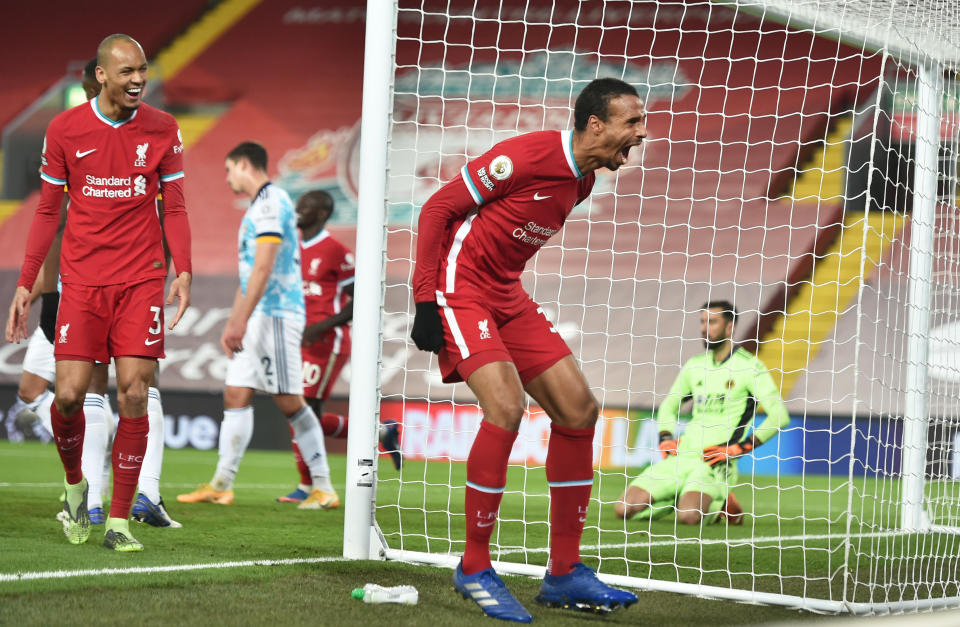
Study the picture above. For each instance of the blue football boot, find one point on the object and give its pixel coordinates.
(488, 591)
(154, 514)
(297, 496)
(97, 516)
(581, 589)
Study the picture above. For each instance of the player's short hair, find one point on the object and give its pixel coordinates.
(595, 99)
(252, 152)
(728, 310)
(318, 198)
(90, 70)
(103, 50)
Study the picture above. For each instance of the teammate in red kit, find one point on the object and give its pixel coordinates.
(327, 267)
(115, 154)
(474, 238)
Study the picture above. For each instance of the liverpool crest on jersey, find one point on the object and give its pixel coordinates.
(141, 160)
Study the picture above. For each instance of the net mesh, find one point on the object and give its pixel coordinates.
(780, 172)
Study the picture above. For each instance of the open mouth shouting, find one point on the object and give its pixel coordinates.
(622, 156)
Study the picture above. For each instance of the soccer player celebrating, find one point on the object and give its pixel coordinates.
(475, 236)
(726, 384)
(115, 154)
(327, 267)
(263, 334)
(39, 373)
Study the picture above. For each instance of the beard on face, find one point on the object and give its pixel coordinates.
(713, 344)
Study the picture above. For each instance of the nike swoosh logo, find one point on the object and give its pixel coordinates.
(537, 196)
(81, 155)
(127, 467)
(151, 342)
(488, 524)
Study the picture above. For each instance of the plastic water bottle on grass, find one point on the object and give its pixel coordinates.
(372, 593)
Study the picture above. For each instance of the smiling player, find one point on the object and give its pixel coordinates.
(115, 154)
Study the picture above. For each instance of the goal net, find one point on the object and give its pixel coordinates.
(802, 163)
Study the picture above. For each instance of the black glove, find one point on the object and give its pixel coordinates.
(49, 303)
(427, 331)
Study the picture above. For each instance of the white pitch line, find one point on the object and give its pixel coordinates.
(67, 574)
(139, 570)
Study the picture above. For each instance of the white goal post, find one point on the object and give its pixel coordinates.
(803, 162)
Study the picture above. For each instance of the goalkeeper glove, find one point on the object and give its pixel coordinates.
(721, 453)
(49, 303)
(427, 331)
(668, 446)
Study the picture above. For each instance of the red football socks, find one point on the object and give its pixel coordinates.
(334, 425)
(129, 445)
(68, 434)
(486, 479)
(570, 476)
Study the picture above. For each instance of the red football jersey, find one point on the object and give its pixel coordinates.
(113, 171)
(327, 267)
(523, 188)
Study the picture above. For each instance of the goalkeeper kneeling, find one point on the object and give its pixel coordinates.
(727, 384)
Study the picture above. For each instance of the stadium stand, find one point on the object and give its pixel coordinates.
(706, 214)
(276, 103)
(45, 47)
(281, 104)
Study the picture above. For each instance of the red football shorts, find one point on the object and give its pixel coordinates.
(95, 323)
(321, 367)
(478, 331)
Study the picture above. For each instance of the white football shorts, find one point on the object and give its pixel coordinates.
(39, 358)
(270, 360)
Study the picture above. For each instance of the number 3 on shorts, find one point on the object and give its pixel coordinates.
(155, 329)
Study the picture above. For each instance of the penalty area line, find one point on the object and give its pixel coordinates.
(173, 568)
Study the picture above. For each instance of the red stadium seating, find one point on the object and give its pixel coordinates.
(40, 44)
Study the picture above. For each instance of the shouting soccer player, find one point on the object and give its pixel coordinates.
(263, 334)
(726, 384)
(327, 267)
(474, 239)
(115, 154)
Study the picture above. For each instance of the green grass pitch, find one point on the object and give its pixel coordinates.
(196, 575)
